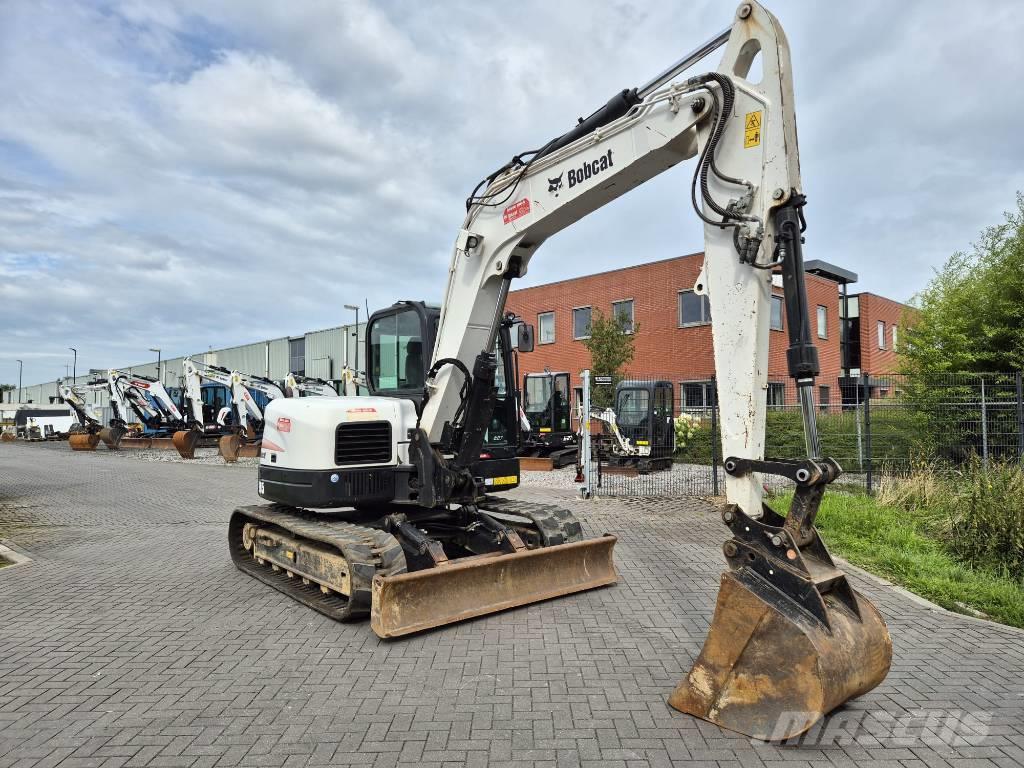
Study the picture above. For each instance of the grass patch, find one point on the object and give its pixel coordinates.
(904, 547)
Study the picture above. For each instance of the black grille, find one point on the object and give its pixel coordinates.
(362, 442)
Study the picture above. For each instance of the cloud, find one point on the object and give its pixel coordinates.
(182, 174)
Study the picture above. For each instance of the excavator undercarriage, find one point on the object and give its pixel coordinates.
(414, 570)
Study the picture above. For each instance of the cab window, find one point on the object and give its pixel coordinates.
(396, 352)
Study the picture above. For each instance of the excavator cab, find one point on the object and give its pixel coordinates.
(644, 412)
(400, 345)
(547, 406)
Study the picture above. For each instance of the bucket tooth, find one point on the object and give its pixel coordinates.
(84, 441)
(475, 586)
(185, 441)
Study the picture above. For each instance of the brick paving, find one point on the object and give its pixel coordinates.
(131, 640)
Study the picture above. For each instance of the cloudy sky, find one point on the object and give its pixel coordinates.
(195, 174)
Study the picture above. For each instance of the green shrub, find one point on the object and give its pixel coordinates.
(983, 511)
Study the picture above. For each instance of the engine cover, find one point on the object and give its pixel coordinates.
(327, 433)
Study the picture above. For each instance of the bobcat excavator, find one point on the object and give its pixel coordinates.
(86, 435)
(297, 386)
(419, 536)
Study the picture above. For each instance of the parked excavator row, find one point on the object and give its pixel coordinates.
(238, 426)
(134, 399)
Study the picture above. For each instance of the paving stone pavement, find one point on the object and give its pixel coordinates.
(131, 640)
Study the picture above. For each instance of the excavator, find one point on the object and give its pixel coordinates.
(85, 436)
(298, 386)
(418, 534)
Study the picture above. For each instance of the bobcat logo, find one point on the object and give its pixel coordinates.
(555, 184)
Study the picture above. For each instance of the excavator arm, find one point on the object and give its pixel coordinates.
(745, 136)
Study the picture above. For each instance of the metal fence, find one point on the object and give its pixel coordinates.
(872, 425)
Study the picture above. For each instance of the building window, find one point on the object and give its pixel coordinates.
(822, 322)
(297, 356)
(694, 309)
(824, 398)
(776, 394)
(894, 339)
(776, 313)
(581, 323)
(546, 328)
(696, 396)
(881, 334)
(623, 312)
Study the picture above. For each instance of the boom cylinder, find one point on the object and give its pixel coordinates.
(802, 355)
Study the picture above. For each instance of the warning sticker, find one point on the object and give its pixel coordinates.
(517, 210)
(752, 129)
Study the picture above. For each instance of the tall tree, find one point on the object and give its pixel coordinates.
(972, 313)
(611, 347)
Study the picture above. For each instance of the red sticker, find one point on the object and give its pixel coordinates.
(140, 384)
(517, 210)
(284, 425)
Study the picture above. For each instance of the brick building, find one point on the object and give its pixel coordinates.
(673, 338)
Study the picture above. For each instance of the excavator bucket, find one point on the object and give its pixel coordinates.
(229, 446)
(112, 436)
(185, 442)
(84, 441)
(790, 640)
(233, 447)
(475, 586)
(770, 671)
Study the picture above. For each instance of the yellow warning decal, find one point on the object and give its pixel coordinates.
(752, 129)
(506, 480)
(545, 429)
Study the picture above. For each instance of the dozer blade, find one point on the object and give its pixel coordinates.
(84, 441)
(770, 670)
(474, 586)
(112, 436)
(185, 442)
(138, 443)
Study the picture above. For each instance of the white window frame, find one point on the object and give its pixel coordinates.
(880, 333)
(822, 321)
(540, 334)
(894, 338)
(679, 309)
(707, 392)
(632, 312)
(574, 310)
(776, 386)
(782, 313)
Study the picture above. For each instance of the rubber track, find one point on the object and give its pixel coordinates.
(556, 525)
(368, 551)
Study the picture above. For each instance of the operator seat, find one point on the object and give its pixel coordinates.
(414, 364)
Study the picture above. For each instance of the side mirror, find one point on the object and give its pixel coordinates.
(525, 337)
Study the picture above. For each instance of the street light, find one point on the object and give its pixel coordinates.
(159, 373)
(74, 365)
(356, 308)
(19, 380)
